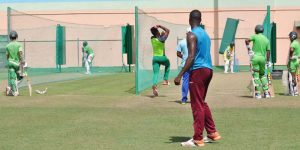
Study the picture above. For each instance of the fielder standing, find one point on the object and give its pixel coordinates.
(200, 64)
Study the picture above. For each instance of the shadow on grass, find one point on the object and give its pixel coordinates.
(177, 139)
(152, 96)
(282, 94)
(179, 101)
(131, 90)
(246, 96)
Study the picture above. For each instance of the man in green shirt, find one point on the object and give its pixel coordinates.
(14, 55)
(159, 57)
(293, 63)
(88, 55)
(259, 55)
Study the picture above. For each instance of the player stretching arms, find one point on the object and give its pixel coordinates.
(159, 57)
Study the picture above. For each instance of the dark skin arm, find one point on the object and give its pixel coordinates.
(179, 55)
(290, 55)
(167, 31)
(268, 55)
(191, 43)
(247, 41)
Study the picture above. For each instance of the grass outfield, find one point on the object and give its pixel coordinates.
(102, 113)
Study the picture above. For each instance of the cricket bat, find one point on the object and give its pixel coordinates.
(271, 88)
(3, 87)
(298, 79)
(285, 82)
(29, 85)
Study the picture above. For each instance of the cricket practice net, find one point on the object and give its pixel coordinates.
(38, 38)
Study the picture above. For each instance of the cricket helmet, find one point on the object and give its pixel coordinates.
(85, 43)
(259, 29)
(293, 35)
(13, 35)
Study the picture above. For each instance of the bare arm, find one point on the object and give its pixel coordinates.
(268, 56)
(247, 42)
(191, 43)
(291, 53)
(167, 31)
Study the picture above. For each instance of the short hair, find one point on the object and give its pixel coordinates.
(154, 31)
(195, 15)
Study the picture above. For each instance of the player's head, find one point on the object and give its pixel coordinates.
(85, 43)
(259, 29)
(195, 18)
(155, 31)
(293, 35)
(163, 33)
(13, 35)
(231, 44)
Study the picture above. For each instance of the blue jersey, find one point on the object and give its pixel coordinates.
(202, 54)
(182, 48)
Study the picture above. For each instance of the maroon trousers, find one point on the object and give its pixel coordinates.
(199, 82)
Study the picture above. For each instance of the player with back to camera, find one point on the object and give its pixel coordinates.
(260, 57)
(15, 59)
(159, 57)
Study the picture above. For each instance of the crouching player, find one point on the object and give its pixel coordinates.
(89, 56)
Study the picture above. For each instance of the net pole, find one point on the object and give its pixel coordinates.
(8, 21)
(78, 51)
(24, 48)
(136, 50)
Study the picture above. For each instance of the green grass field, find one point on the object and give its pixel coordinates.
(102, 113)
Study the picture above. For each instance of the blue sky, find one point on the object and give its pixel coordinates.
(24, 1)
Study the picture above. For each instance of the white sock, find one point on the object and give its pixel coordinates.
(231, 66)
(226, 65)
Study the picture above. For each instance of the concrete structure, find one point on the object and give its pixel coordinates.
(215, 13)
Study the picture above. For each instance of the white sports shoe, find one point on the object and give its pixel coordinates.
(8, 90)
(16, 94)
(192, 143)
(207, 140)
(267, 94)
(257, 96)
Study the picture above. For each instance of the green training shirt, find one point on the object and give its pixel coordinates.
(261, 44)
(13, 49)
(296, 46)
(158, 47)
(88, 50)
